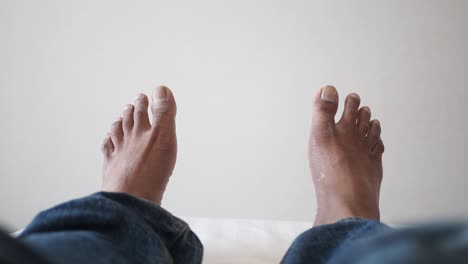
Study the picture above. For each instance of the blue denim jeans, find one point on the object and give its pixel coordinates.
(355, 240)
(111, 228)
(119, 228)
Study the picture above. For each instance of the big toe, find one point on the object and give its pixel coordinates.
(163, 106)
(164, 111)
(325, 107)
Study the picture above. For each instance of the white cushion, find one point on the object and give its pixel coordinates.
(245, 241)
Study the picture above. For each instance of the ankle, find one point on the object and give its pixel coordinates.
(332, 210)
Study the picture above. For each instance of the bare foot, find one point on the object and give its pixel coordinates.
(139, 156)
(345, 159)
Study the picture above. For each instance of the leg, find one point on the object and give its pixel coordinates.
(345, 161)
(125, 223)
(346, 166)
(359, 241)
(320, 244)
(429, 243)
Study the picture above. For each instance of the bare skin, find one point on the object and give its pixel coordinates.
(139, 155)
(345, 159)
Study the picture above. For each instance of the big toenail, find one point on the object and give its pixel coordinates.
(160, 94)
(329, 94)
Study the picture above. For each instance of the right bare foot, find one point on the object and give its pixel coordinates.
(345, 159)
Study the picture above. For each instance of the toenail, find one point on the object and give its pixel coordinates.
(107, 136)
(160, 94)
(329, 94)
(139, 96)
(367, 109)
(355, 96)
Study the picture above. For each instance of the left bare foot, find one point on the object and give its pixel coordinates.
(139, 156)
(345, 159)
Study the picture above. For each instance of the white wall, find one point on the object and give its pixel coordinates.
(243, 73)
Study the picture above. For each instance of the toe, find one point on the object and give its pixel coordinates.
(379, 148)
(364, 116)
(127, 122)
(325, 107)
(107, 146)
(163, 104)
(140, 114)
(374, 133)
(350, 112)
(117, 132)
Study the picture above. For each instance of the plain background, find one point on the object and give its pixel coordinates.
(243, 73)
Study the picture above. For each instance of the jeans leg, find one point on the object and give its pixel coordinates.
(319, 244)
(111, 228)
(13, 252)
(425, 244)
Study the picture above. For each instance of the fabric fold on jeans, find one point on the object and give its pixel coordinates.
(112, 228)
